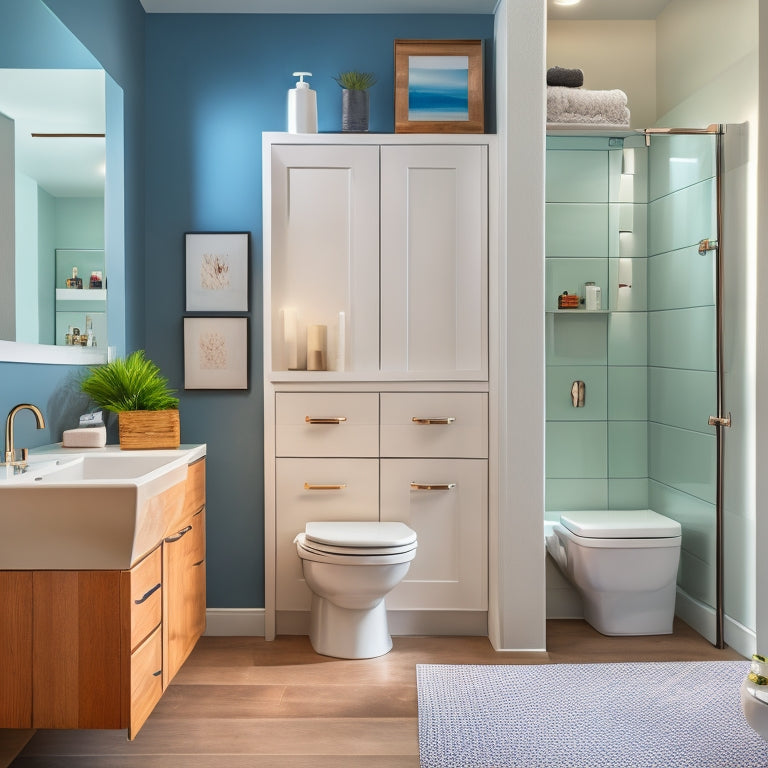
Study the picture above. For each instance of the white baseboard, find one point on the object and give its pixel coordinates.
(742, 639)
(429, 623)
(233, 622)
(702, 618)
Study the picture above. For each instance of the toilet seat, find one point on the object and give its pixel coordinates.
(626, 529)
(357, 543)
(360, 534)
(626, 524)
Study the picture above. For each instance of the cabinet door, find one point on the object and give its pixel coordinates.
(317, 490)
(324, 256)
(16, 649)
(184, 591)
(434, 261)
(446, 502)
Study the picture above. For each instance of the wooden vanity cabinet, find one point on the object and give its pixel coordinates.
(96, 649)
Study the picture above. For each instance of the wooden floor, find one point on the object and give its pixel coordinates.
(243, 701)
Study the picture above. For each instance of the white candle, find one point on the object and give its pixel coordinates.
(341, 343)
(290, 339)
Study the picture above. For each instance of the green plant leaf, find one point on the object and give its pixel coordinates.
(356, 81)
(129, 384)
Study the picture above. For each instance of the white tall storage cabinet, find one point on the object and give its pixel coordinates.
(382, 241)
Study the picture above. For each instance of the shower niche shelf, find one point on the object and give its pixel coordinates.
(585, 312)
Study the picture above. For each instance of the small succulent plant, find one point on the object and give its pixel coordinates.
(356, 81)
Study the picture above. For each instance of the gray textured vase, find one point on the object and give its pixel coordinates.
(354, 111)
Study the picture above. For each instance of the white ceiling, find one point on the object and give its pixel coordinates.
(586, 9)
(57, 101)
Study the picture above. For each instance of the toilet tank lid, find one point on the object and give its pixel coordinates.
(620, 524)
(360, 534)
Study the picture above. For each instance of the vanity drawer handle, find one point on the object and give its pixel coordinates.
(183, 532)
(434, 420)
(147, 595)
(331, 420)
(322, 487)
(432, 486)
(158, 673)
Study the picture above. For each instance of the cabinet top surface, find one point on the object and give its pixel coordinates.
(275, 137)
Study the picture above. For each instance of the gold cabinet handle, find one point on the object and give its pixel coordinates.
(332, 420)
(323, 487)
(432, 486)
(433, 420)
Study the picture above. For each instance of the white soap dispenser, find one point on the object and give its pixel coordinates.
(302, 106)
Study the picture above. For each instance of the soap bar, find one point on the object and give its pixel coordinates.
(84, 437)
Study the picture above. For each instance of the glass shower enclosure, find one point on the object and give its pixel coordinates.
(632, 382)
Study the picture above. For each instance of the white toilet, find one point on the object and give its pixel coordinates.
(624, 566)
(350, 567)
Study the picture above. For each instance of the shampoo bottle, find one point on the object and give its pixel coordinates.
(302, 106)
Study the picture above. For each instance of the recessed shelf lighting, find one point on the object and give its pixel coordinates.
(567, 2)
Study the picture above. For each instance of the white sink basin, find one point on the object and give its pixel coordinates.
(104, 468)
(93, 511)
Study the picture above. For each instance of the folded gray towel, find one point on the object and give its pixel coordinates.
(578, 105)
(570, 78)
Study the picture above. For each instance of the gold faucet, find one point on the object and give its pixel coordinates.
(10, 451)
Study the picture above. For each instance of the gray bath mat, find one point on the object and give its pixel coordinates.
(634, 715)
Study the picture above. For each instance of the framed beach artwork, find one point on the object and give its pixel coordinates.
(215, 353)
(217, 271)
(439, 86)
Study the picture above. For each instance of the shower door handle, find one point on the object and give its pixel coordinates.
(720, 421)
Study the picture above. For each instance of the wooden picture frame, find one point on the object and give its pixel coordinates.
(439, 86)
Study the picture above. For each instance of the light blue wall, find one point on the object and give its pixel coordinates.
(214, 84)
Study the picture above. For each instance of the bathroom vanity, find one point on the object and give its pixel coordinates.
(377, 265)
(95, 647)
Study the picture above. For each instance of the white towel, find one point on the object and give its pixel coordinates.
(577, 105)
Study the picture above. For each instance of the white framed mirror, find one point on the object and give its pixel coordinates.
(61, 188)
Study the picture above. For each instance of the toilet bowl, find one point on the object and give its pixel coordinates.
(350, 567)
(624, 566)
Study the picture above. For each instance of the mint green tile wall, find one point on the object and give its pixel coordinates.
(681, 349)
(642, 439)
(596, 455)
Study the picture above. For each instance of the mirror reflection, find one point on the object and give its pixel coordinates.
(52, 177)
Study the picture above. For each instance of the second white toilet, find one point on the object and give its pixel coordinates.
(623, 564)
(350, 567)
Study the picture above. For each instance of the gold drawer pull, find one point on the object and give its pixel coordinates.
(433, 420)
(332, 420)
(321, 487)
(432, 486)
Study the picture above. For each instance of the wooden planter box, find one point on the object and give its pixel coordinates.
(140, 430)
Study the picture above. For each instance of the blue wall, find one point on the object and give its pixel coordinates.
(32, 36)
(214, 83)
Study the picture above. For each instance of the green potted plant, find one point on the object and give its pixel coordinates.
(354, 99)
(134, 389)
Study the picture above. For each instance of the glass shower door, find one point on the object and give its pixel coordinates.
(683, 360)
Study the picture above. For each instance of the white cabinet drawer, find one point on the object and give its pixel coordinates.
(434, 424)
(449, 515)
(338, 489)
(327, 424)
